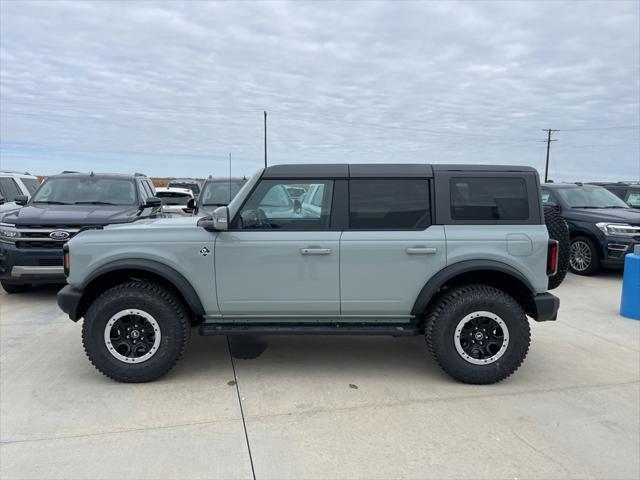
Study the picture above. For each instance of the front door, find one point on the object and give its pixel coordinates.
(278, 259)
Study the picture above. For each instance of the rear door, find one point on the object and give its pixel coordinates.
(390, 249)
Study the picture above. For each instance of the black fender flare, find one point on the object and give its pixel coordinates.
(447, 273)
(171, 275)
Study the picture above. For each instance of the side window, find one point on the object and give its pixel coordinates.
(143, 191)
(317, 197)
(151, 190)
(9, 188)
(270, 206)
(390, 204)
(489, 198)
(633, 198)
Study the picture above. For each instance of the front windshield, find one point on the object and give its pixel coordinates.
(86, 191)
(590, 197)
(217, 193)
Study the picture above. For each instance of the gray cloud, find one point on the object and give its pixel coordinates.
(169, 88)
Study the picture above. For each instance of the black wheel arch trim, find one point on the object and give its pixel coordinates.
(171, 275)
(439, 279)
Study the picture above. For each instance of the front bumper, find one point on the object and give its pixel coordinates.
(30, 265)
(546, 306)
(615, 249)
(69, 300)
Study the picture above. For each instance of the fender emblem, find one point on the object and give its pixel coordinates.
(204, 251)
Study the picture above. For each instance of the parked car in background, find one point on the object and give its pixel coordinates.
(15, 184)
(176, 201)
(192, 184)
(218, 192)
(602, 227)
(31, 238)
(627, 191)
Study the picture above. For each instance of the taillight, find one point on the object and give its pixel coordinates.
(66, 260)
(552, 257)
(187, 210)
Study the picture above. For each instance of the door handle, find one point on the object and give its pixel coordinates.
(315, 251)
(421, 250)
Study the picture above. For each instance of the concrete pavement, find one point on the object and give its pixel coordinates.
(325, 407)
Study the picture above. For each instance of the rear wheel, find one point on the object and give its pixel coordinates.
(558, 230)
(583, 258)
(478, 334)
(135, 332)
(15, 287)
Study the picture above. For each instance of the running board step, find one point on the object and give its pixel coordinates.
(307, 329)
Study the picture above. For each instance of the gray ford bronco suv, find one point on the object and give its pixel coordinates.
(458, 253)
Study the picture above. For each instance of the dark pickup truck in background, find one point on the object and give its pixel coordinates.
(31, 238)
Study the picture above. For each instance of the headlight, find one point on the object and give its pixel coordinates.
(620, 229)
(8, 232)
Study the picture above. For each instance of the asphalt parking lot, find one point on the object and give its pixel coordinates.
(325, 407)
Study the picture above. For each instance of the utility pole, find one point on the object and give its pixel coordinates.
(549, 140)
(265, 139)
(229, 178)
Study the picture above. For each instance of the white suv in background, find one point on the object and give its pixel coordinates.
(14, 184)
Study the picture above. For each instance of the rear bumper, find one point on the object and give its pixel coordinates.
(546, 306)
(69, 300)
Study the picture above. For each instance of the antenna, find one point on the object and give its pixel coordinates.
(229, 178)
(265, 139)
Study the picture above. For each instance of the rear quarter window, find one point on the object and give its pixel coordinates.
(488, 198)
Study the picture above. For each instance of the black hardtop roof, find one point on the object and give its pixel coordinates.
(380, 170)
(559, 185)
(120, 176)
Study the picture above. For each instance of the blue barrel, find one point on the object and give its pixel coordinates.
(630, 303)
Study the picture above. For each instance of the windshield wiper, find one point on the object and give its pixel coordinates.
(585, 206)
(51, 202)
(93, 203)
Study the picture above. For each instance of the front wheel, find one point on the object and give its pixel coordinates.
(135, 332)
(583, 256)
(478, 334)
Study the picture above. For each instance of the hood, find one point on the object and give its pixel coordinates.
(595, 215)
(72, 215)
(154, 223)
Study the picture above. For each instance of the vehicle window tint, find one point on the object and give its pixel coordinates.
(151, 190)
(488, 198)
(389, 204)
(546, 195)
(31, 183)
(173, 198)
(270, 206)
(10, 189)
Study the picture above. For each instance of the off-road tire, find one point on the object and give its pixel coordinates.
(15, 287)
(594, 265)
(167, 310)
(451, 308)
(558, 230)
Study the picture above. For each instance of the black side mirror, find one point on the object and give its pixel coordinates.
(1, 200)
(191, 203)
(21, 200)
(153, 202)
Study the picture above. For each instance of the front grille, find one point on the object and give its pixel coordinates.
(38, 236)
(36, 244)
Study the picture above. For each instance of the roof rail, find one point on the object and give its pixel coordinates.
(138, 174)
(68, 171)
(578, 183)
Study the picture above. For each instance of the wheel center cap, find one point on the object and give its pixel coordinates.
(479, 336)
(135, 334)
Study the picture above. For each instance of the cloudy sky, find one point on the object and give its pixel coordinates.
(171, 88)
